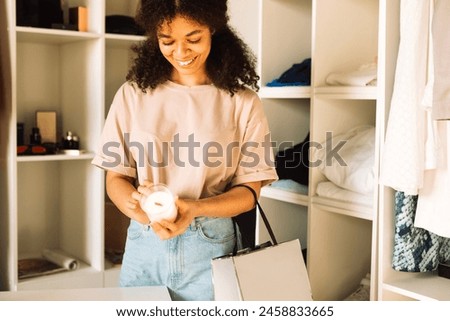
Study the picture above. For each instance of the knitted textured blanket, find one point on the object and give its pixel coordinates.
(415, 249)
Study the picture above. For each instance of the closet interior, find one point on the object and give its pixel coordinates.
(343, 216)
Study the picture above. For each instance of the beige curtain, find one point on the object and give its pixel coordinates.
(6, 162)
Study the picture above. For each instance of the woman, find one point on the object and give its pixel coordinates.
(187, 118)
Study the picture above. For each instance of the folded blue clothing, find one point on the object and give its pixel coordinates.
(276, 83)
(290, 186)
(297, 75)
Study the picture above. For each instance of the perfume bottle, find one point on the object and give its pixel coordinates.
(20, 134)
(70, 141)
(35, 137)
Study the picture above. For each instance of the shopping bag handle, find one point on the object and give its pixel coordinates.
(261, 212)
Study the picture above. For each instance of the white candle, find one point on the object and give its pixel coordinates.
(159, 204)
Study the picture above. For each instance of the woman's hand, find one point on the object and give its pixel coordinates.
(233, 202)
(122, 192)
(134, 203)
(166, 229)
(187, 211)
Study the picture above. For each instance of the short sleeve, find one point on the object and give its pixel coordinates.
(112, 153)
(256, 162)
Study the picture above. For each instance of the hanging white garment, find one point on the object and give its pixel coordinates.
(403, 156)
(441, 34)
(433, 206)
(432, 144)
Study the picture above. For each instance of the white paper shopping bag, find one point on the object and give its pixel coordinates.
(272, 273)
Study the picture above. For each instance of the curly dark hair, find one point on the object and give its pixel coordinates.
(230, 65)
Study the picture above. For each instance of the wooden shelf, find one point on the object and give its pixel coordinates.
(285, 196)
(52, 36)
(343, 92)
(83, 277)
(288, 92)
(57, 157)
(419, 286)
(344, 208)
(122, 41)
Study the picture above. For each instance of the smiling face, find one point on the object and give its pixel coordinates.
(186, 45)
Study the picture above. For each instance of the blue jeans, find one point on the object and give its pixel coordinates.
(183, 263)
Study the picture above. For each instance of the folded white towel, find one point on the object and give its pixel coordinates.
(330, 190)
(365, 75)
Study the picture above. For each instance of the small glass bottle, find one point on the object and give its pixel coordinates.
(71, 141)
(35, 137)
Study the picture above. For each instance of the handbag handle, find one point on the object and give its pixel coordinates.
(261, 212)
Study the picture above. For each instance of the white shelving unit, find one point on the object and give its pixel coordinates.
(59, 200)
(277, 48)
(341, 237)
(58, 197)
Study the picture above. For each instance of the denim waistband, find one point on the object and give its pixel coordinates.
(196, 222)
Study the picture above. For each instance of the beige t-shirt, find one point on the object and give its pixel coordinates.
(197, 140)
